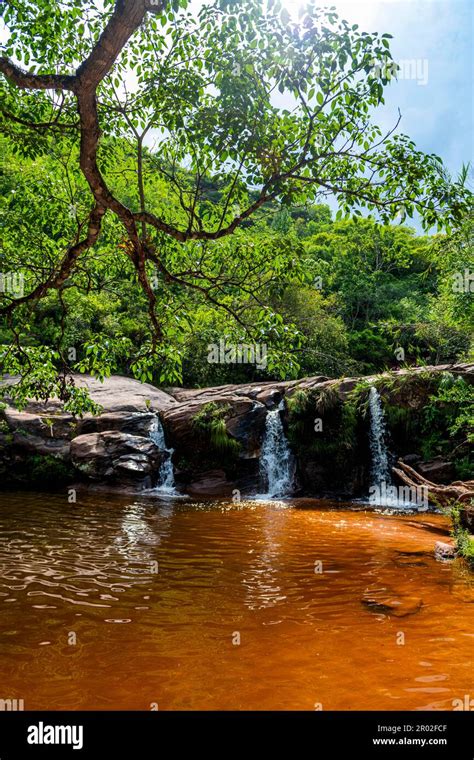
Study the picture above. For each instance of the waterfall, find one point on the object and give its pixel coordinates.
(166, 474)
(382, 493)
(276, 460)
(380, 468)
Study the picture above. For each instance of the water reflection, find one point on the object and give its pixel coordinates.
(260, 577)
(166, 636)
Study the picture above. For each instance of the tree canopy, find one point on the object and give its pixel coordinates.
(147, 144)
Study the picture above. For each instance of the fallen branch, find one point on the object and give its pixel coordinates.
(458, 492)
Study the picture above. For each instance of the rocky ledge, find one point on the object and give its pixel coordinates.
(214, 435)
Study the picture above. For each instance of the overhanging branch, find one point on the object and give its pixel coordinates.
(57, 279)
(27, 81)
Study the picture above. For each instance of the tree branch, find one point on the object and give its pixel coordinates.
(55, 280)
(27, 81)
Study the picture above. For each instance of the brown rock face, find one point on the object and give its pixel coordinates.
(122, 394)
(210, 483)
(437, 470)
(36, 434)
(245, 422)
(116, 456)
(135, 423)
(115, 394)
(44, 426)
(115, 446)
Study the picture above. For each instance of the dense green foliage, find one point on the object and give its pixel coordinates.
(350, 294)
(189, 145)
(463, 539)
(431, 413)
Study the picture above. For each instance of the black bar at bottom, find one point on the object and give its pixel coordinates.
(138, 734)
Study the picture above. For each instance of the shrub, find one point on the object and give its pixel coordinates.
(210, 424)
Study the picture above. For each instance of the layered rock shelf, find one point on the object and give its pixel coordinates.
(216, 434)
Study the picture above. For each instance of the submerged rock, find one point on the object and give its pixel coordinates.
(382, 600)
(411, 559)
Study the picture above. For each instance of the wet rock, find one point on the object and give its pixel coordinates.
(317, 479)
(210, 483)
(271, 397)
(444, 551)
(438, 470)
(135, 423)
(313, 472)
(247, 427)
(113, 455)
(411, 559)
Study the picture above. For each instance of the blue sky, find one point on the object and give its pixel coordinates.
(432, 39)
(438, 116)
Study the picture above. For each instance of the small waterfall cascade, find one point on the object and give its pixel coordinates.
(380, 491)
(166, 474)
(276, 459)
(378, 449)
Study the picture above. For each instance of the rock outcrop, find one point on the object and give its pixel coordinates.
(216, 433)
(444, 551)
(117, 457)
